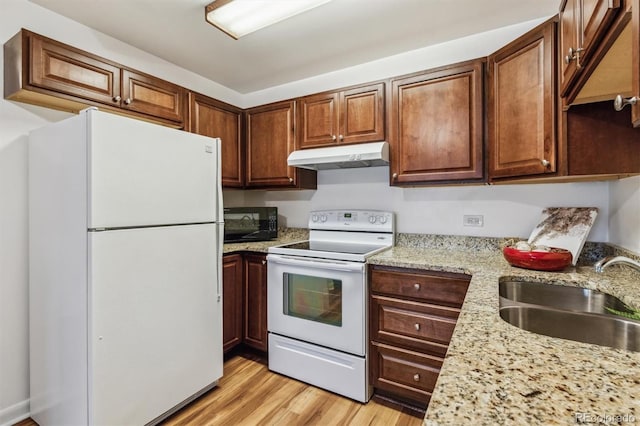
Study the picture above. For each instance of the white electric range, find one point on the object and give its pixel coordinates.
(317, 300)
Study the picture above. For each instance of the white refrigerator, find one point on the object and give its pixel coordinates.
(125, 254)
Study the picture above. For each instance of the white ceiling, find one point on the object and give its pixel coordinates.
(336, 35)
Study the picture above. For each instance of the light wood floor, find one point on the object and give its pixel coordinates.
(249, 394)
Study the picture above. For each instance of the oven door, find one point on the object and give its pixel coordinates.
(318, 301)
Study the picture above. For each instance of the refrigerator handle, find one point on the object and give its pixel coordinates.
(220, 212)
(220, 232)
(219, 203)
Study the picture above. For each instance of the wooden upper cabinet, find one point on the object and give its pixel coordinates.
(270, 140)
(318, 120)
(583, 25)
(349, 116)
(216, 119)
(45, 72)
(521, 107)
(64, 69)
(436, 131)
(149, 95)
(569, 40)
(597, 16)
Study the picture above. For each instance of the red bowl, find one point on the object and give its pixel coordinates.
(554, 260)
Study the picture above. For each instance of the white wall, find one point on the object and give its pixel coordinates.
(508, 210)
(624, 216)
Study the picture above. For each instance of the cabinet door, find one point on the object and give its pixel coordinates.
(152, 96)
(216, 119)
(270, 140)
(597, 16)
(255, 308)
(362, 114)
(232, 287)
(318, 120)
(69, 71)
(521, 106)
(436, 126)
(570, 29)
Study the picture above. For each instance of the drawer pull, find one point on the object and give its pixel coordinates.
(417, 326)
(416, 377)
(416, 286)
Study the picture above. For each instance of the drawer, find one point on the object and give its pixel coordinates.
(415, 325)
(441, 288)
(408, 374)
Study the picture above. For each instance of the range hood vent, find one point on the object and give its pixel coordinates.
(341, 157)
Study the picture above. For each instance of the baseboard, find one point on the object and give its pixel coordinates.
(15, 413)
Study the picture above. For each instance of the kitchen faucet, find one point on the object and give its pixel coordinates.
(612, 260)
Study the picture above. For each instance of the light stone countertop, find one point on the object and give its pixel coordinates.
(495, 373)
(285, 235)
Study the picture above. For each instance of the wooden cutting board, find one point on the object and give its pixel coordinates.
(564, 227)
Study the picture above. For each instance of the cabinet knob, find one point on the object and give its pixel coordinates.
(416, 377)
(416, 286)
(290, 180)
(573, 54)
(127, 101)
(341, 137)
(417, 326)
(264, 262)
(116, 98)
(545, 163)
(333, 137)
(619, 103)
(394, 176)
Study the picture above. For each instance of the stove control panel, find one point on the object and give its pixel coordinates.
(352, 220)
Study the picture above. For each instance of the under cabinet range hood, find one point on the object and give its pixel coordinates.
(341, 157)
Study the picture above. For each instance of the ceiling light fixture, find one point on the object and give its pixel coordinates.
(241, 17)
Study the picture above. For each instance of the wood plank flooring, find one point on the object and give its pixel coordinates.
(249, 394)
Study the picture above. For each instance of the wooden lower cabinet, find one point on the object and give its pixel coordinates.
(255, 302)
(412, 317)
(232, 301)
(409, 374)
(244, 301)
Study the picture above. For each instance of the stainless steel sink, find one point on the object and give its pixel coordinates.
(560, 297)
(569, 313)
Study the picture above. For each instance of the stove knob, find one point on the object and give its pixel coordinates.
(372, 219)
(382, 219)
(323, 218)
(314, 218)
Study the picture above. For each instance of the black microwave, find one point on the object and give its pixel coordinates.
(250, 224)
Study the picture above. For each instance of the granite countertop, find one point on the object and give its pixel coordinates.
(285, 235)
(495, 373)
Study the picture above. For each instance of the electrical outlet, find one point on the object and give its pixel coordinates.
(473, 220)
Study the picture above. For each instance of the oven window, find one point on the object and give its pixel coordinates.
(313, 298)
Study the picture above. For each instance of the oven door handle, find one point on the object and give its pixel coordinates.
(316, 263)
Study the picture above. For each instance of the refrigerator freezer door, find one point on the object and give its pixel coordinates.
(145, 174)
(155, 323)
